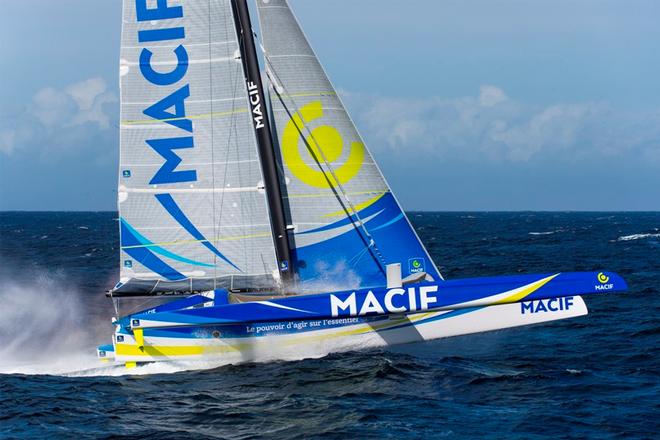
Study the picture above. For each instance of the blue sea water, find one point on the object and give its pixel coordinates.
(591, 377)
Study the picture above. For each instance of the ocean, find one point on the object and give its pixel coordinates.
(596, 376)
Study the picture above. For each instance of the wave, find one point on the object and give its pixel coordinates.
(637, 237)
(170, 367)
(546, 232)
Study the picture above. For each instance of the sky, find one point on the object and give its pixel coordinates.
(465, 104)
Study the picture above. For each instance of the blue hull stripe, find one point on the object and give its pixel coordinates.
(240, 331)
(450, 295)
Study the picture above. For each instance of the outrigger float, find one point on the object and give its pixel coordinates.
(259, 217)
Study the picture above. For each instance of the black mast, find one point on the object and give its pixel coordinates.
(262, 129)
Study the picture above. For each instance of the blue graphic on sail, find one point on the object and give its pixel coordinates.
(395, 239)
(145, 242)
(173, 209)
(134, 246)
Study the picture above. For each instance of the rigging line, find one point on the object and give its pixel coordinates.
(215, 233)
(232, 135)
(247, 229)
(279, 163)
(115, 305)
(141, 304)
(356, 258)
(277, 81)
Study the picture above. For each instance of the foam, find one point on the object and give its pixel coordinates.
(637, 237)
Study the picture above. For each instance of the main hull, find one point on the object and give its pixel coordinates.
(313, 338)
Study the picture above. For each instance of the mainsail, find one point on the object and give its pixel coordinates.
(347, 224)
(193, 214)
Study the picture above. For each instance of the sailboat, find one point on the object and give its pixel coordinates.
(252, 210)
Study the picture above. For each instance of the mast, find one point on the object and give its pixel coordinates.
(263, 132)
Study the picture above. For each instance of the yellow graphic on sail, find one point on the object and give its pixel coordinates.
(323, 143)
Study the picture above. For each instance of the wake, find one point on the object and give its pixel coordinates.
(41, 332)
(49, 327)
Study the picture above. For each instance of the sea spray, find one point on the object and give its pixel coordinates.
(335, 277)
(40, 328)
(48, 326)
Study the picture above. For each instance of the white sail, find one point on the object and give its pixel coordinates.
(348, 225)
(192, 207)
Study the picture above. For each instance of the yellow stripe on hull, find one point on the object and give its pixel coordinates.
(167, 351)
(170, 351)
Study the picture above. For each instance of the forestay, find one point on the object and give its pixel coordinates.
(192, 208)
(348, 225)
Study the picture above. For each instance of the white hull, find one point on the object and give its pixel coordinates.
(317, 338)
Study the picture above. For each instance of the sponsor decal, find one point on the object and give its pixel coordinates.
(128, 263)
(305, 141)
(396, 300)
(416, 265)
(255, 103)
(297, 326)
(546, 305)
(171, 108)
(126, 173)
(604, 283)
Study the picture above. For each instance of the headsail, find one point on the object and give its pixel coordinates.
(346, 219)
(192, 208)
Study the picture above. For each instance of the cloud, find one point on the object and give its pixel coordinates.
(91, 96)
(495, 127)
(491, 95)
(59, 119)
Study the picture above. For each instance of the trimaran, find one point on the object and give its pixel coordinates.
(251, 197)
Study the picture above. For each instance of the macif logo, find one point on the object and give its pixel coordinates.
(395, 300)
(604, 283)
(546, 305)
(171, 109)
(255, 102)
(416, 265)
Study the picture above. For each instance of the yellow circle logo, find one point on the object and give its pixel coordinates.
(321, 144)
(602, 278)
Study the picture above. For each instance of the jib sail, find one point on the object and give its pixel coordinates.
(347, 223)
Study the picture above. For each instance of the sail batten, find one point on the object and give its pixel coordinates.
(333, 180)
(193, 213)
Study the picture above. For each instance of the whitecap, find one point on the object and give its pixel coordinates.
(637, 237)
(545, 233)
